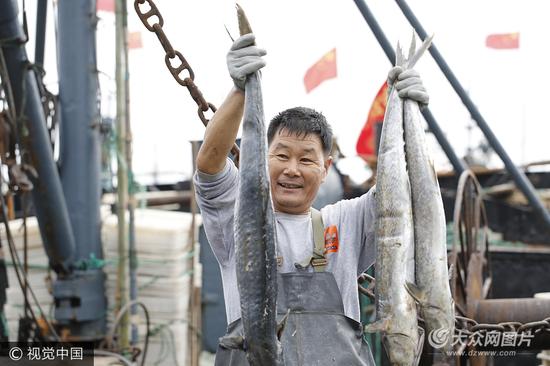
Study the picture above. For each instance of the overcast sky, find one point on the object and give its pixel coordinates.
(508, 86)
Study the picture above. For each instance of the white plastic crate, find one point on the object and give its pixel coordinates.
(156, 231)
(157, 264)
(165, 260)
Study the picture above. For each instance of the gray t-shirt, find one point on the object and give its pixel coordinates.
(349, 237)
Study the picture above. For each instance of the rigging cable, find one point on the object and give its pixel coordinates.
(20, 277)
(118, 319)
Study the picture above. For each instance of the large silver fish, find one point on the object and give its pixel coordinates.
(399, 203)
(255, 232)
(432, 289)
(395, 308)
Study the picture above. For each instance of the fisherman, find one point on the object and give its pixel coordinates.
(319, 256)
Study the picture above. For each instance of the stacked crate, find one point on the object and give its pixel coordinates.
(165, 251)
(37, 275)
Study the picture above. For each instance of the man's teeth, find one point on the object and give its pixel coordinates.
(286, 185)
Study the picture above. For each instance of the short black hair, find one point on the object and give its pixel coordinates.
(302, 121)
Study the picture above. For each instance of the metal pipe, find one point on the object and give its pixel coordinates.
(41, 16)
(133, 262)
(532, 313)
(522, 310)
(80, 166)
(517, 175)
(122, 172)
(50, 204)
(458, 165)
(80, 148)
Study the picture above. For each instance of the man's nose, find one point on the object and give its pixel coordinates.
(291, 168)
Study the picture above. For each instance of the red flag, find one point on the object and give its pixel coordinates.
(366, 143)
(503, 41)
(105, 5)
(322, 70)
(134, 40)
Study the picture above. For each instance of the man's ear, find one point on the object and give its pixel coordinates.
(327, 163)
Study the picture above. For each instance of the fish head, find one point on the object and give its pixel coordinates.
(441, 326)
(400, 348)
(297, 168)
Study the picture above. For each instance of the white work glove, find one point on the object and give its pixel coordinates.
(408, 84)
(244, 58)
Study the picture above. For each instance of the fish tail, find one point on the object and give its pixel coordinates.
(425, 45)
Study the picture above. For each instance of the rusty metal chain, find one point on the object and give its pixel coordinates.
(50, 103)
(369, 290)
(19, 172)
(180, 63)
(472, 331)
(470, 326)
(465, 325)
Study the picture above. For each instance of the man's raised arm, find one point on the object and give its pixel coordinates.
(243, 59)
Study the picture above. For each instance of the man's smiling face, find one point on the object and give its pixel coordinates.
(297, 167)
